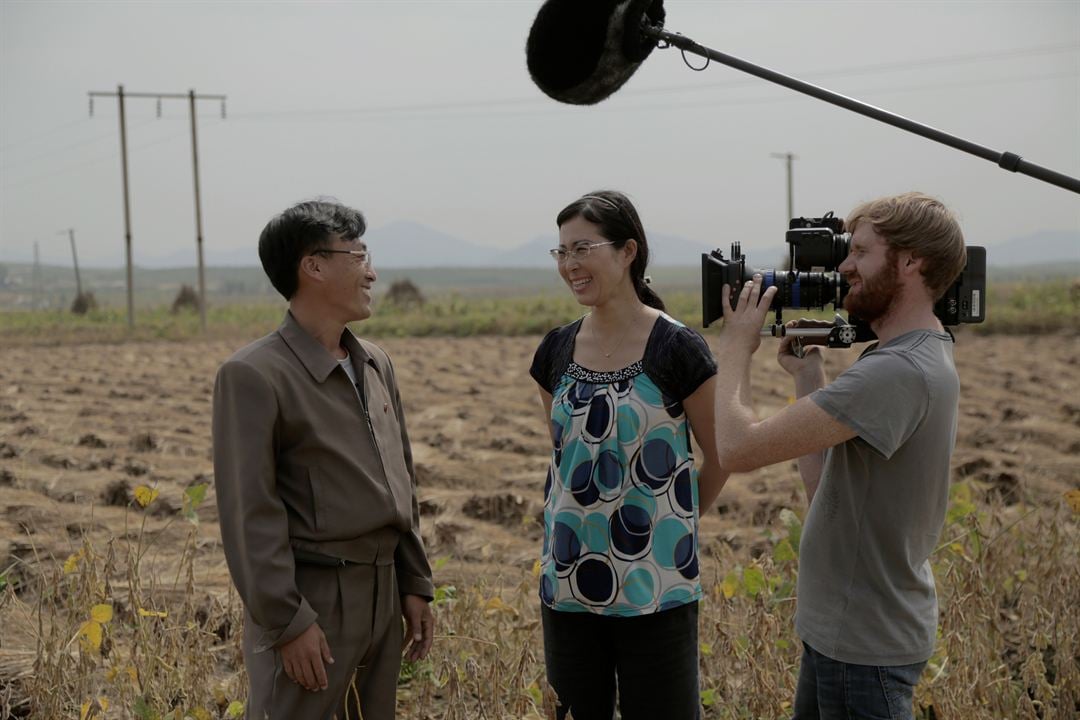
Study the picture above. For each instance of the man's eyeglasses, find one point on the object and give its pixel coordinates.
(364, 256)
(578, 252)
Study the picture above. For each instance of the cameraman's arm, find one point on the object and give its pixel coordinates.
(808, 372)
(811, 464)
(799, 429)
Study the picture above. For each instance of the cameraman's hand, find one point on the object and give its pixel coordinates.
(812, 362)
(743, 324)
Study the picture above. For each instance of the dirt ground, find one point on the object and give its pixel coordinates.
(81, 426)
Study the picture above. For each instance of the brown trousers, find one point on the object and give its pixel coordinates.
(360, 613)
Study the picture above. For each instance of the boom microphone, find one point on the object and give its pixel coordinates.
(581, 51)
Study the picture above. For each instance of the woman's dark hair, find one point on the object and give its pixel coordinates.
(299, 231)
(617, 220)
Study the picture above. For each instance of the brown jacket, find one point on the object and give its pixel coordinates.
(301, 466)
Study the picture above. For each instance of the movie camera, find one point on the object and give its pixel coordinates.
(816, 248)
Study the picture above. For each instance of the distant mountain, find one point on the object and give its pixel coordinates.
(400, 244)
(665, 250)
(407, 244)
(533, 253)
(675, 250)
(1040, 247)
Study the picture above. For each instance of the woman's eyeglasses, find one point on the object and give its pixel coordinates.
(578, 252)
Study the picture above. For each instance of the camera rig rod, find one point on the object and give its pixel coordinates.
(1005, 160)
(840, 334)
(781, 331)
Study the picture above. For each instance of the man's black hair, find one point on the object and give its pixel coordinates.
(299, 231)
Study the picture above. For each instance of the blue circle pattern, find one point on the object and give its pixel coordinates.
(620, 515)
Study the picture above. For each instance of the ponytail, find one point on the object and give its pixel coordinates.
(645, 293)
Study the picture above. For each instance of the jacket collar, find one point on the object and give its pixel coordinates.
(312, 355)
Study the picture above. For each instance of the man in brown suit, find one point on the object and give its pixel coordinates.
(315, 487)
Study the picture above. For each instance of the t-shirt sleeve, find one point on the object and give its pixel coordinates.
(543, 358)
(882, 397)
(692, 363)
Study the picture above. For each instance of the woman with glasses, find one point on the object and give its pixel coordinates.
(623, 387)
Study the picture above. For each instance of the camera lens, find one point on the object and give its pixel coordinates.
(812, 290)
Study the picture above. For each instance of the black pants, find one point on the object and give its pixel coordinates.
(653, 658)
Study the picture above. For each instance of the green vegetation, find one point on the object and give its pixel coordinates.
(109, 324)
(1016, 308)
(119, 631)
(1035, 308)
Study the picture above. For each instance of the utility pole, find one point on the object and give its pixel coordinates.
(191, 96)
(119, 94)
(36, 293)
(788, 157)
(198, 212)
(70, 232)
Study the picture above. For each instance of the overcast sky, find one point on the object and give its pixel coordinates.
(424, 111)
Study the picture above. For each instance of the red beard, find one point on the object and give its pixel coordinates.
(876, 294)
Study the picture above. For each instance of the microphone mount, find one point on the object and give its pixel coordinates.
(1005, 160)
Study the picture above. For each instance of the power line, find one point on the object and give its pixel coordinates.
(776, 98)
(696, 87)
(874, 90)
(389, 112)
(43, 134)
(350, 115)
(631, 93)
(69, 146)
(898, 66)
(94, 161)
(326, 116)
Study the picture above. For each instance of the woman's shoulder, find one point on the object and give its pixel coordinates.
(553, 355)
(559, 336)
(669, 329)
(678, 358)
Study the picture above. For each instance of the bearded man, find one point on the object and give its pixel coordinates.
(873, 448)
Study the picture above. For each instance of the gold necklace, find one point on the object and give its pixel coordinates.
(596, 339)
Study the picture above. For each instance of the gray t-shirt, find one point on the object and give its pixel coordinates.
(866, 592)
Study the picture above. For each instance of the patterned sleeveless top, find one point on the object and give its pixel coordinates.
(621, 498)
